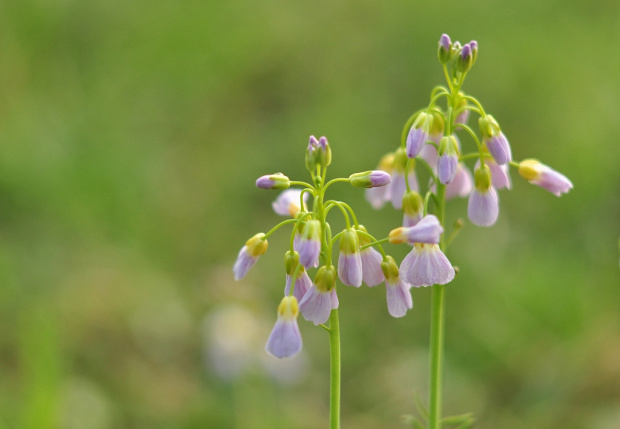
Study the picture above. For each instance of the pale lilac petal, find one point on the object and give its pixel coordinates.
(428, 230)
(483, 207)
(287, 203)
(372, 274)
(377, 196)
(285, 339)
(462, 184)
(415, 140)
(553, 181)
(499, 148)
(446, 168)
(350, 269)
(302, 285)
(462, 117)
(429, 154)
(309, 251)
(408, 263)
(243, 263)
(398, 298)
(413, 181)
(409, 220)
(500, 176)
(397, 190)
(296, 241)
(316, 306)
(429, 267)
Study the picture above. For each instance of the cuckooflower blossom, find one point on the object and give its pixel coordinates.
(372, 274)
(309, 246)
(426, 265)
(398, 296)
(287, 203)
(500, 177)
(349, 259)
(462, 184)
(285, 338)
(483, 204)
(448, 160)
(428, 230)
(321, 298)
(544, 176)
(302, 281)
(248, 255)
(418, 134)
(495, 141)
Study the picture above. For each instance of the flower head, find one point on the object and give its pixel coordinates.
(321, 298)
(288, 202)
(483, 204)
(544, 176)
(248, 255)
(426, 265)
(372, 274)
(285, 338)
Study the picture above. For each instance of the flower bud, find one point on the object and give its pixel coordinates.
(273, 181)
(461, 103)
(495, 140)
(419, 134)
(448, 159)
(390, 269)
(325, 279)
(474, 50)
(318, 153)
(370, 179)
(465, 59)
(482, 178)
(310, 244)
(291, 260)
(413, 208)
(444, 52)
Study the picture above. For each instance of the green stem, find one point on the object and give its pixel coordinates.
(334, 361)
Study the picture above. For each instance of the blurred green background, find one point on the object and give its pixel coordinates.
(131, 134)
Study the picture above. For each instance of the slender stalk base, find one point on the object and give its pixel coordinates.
(436, 357)
(334, 362)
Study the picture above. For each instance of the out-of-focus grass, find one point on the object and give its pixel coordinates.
(130, 137)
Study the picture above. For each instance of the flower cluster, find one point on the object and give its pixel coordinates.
(430, 139)
(358, 260)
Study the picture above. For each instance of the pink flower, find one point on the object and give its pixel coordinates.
(544, 176)
(285, 338)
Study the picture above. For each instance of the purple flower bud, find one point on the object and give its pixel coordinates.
(418, 134)
(544, 176)
(273, 181)
(466, 52)
(318, 153)
(426, 265)
(285, 338)
(446, 167)
(445, 49)
(370, 179)
(499, 148)
(445, 42)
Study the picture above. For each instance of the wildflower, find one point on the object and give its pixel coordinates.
(248, 255)
(372, 274)
(302, 281)
(398, 296)
(465, 60)
(500, 177)
(462, 184)
(413, 208)
(448, 159)
(483, 205)
(350, 260)
(426, 265)
(495, 140)
(428, 230)
(273, 181)
(288, 202)
(379, 195)
(418, 134)
(309, 246)
(285, 338)
(321, 298)
(544, 176)
(370, 179)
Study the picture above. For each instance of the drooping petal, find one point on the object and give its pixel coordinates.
(285, 339)
(426, 265)
(316, 306)
(397, 190)
(447, 167)
(372, 274)
(500, 177)
(544, 176)
(415, 140)
(499, 147)
(302, 285)
(287, 203)
(243, 263)
(429, 154)
(350, 268)
(398, 297)
(483, 207)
